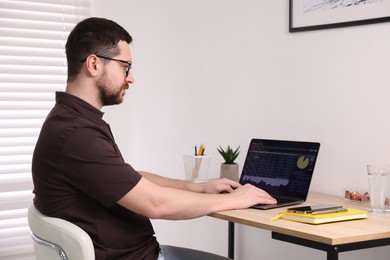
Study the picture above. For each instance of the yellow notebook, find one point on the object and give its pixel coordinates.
(350, 214)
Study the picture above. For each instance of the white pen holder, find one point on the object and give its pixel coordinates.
(197, 167)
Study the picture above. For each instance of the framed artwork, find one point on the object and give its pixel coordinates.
(324, 14)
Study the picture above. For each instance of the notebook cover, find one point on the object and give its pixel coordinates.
(325, 218)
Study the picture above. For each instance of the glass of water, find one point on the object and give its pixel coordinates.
(379, 180)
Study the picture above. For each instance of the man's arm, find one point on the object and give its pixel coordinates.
(212, 186)
(159, 202)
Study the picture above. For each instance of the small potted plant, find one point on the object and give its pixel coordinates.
(229, 169)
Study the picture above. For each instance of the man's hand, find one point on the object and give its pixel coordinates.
(219, 186)
(249, 195)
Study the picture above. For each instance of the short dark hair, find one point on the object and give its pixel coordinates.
(93, 36)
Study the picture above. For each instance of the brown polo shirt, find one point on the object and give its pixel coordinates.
(79, 175)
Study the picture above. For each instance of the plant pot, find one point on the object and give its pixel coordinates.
(229, 171)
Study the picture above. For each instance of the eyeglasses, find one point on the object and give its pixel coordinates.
(123, 61)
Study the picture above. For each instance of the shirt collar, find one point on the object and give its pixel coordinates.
(80, 105)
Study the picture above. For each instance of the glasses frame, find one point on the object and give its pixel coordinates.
(129, 63)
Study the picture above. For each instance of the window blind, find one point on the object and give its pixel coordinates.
(33, 34)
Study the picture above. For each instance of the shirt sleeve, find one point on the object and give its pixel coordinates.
(92, 162)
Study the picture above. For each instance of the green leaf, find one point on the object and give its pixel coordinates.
(229, 155)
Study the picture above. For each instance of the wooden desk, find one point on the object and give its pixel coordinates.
(332, 238)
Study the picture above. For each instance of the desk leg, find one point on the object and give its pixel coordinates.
(332, 254)
(231, 240)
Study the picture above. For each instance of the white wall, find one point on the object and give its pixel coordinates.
(221, 72)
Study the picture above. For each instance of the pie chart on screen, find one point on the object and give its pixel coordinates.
(302, 162)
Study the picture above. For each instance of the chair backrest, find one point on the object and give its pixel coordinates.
(55, 236)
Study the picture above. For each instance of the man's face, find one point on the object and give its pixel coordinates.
(113, 82)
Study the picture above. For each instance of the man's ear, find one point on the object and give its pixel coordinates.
(92, 64)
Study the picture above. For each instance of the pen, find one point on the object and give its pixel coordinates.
(198, 161)
(278, 216)
(201, 150)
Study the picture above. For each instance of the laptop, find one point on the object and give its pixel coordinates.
(284, 169)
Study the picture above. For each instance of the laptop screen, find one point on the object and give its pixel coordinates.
(282, 168)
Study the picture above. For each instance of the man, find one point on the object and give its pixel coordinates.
(78, 171)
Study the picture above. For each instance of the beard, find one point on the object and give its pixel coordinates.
(109, 93)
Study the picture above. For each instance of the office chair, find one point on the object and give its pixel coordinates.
(56, 238)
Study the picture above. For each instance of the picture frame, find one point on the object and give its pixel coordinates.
(308, 15)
